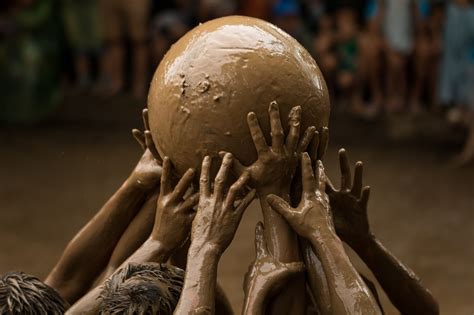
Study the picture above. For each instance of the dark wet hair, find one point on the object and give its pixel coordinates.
(141, 289)
(24, 294)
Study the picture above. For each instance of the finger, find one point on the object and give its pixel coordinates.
(320, 176)
(295, 124)
(260, 244)
(222, 175)
(307, 175)
(278, 136)
(151, 146)
(138, 135)
(189, 203)
(256, 132)
(313, 147)
(357, 186)
(237, 167)
(323, 142)
(308, 136)
(235, 189)
(245, 202)
(165, 187)
(364, 199)
(183, 185)
(345, 170)
(145, 119)
(204, 182)
(280, 206)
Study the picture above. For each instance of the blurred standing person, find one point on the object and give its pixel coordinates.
(426, 55)
(347, 53)
(287, 16)
(81, 21)
(369, 67)
(324, 50)
(457, 71)
(166, 28)
(398, 31)
(125, 18)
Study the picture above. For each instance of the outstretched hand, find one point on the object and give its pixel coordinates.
(174, 212)
(148, 170)
(349, 203)
(276, 163)
(266, 276)
(312, 215)
(218, 217)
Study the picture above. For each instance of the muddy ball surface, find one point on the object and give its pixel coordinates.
(215, 75)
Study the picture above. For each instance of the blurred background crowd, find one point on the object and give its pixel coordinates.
(379, 57)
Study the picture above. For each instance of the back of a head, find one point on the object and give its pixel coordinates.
(148, 288)
(24, 294)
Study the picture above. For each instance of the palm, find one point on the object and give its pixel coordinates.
(276, 163)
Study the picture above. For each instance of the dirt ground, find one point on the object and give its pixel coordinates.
(55, 176)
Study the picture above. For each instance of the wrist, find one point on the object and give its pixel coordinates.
(323, 234)
(204, 249)
(133, 183)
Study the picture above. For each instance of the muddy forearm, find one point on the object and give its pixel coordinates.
(283, 244)
(316, 278)
(135, 235)
(401, 284)
(347, 290)
(254, 304)
(89, 251)
(198, 295)
(281, 239)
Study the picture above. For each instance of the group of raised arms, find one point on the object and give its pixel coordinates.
(154, 247)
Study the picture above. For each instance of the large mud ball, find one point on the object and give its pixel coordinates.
(215, 75)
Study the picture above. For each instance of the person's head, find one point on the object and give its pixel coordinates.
(24, 294)
(346, 23)
(141, 289)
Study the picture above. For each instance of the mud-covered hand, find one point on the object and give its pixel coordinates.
(266, 276)
(218, 217)
(148, 170)
(312, 215)
(349, 204)
(174, 213)
(276, 164)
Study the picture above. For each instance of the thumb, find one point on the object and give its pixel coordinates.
(280, 206)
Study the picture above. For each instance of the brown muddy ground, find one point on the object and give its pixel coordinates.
(55, 176)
